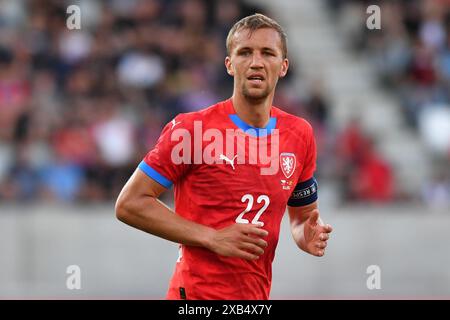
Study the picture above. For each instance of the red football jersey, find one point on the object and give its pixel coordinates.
(226, 172)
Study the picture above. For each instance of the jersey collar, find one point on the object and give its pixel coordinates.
(248, 129)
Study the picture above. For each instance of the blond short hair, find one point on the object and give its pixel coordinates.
(255, 22)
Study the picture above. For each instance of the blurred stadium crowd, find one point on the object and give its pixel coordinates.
(80, 108)
(411, 54)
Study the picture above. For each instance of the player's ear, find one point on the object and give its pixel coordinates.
(229, 66)
(284, 68)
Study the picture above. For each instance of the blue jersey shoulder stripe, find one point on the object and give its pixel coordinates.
(155, 175)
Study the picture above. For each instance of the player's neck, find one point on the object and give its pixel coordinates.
(254, 113)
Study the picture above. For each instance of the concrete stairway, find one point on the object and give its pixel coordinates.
(317, 48)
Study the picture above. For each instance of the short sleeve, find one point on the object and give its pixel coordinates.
(167, 161)
(309, 163)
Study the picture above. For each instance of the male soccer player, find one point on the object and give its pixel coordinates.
(230, 191)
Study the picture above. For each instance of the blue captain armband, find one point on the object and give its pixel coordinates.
(304, 193)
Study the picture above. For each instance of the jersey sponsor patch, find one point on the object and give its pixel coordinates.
(286, 184)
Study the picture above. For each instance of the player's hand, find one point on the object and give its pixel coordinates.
(316, 234)
(239, 240)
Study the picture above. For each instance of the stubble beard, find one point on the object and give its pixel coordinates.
(255, 96)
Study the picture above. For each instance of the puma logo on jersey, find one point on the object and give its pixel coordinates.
(174, 123)
(222, 157)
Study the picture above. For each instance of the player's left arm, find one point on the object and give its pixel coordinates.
(309, 232)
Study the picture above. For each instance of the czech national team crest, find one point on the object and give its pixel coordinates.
(287, 162)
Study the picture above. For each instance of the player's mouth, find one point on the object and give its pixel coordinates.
(256, 79)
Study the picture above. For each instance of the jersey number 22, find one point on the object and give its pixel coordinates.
(250, 199)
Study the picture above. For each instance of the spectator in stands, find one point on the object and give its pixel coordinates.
(372, 179)
(363, 173)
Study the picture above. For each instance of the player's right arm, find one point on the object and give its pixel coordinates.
(138, 206)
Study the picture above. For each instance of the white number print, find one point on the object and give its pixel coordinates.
(249, 198)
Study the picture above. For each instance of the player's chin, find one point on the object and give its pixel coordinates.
(256, 93)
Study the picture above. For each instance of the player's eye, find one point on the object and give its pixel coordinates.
(244, 53)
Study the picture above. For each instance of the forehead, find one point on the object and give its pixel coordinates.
(258, 39)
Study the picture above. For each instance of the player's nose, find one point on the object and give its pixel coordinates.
(256, 61)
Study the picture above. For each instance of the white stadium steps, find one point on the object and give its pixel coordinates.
(317, 46)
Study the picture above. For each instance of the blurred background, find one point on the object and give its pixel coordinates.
(80, 108)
